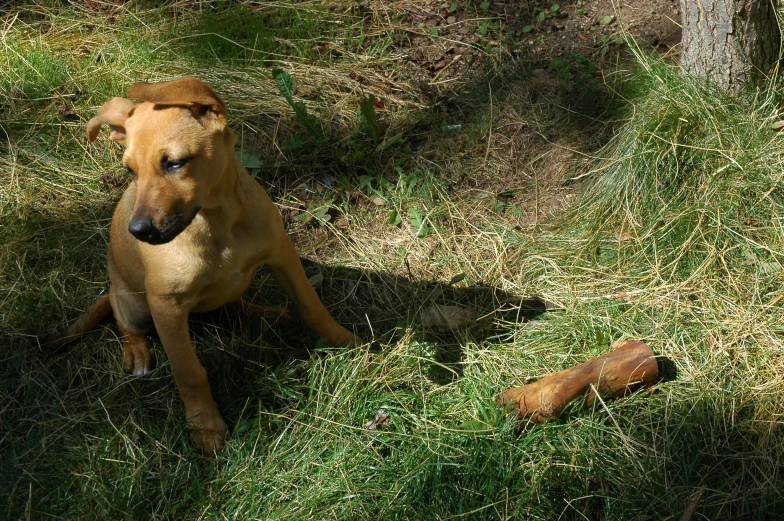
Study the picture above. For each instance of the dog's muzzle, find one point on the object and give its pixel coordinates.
(144, 229)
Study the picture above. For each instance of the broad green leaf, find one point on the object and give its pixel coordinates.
(368, 119)
(394, 218)
(285, 83)
(418, 222)
(286, 86)
(294, 143)
(249, 159)
(457, 278)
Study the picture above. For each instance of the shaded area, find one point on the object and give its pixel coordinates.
(248, 362)
(383, 308)
(587, 482)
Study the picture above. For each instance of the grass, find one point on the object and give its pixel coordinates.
(646, 206)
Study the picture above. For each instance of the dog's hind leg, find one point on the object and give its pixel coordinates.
(137, 356)
(89, 320)
(288, 271)
(134, 322)
(271, 314)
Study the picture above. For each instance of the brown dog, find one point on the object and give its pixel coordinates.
(187, 236)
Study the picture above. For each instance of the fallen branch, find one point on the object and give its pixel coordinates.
(613, 375)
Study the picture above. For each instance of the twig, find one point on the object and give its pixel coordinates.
(691, 506)
(454, 60)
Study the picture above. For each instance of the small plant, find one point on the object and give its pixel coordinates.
(317, 212)
(542, 15)
(503, 206)
(487, 26)
(418, 222)
(374, 185)
(366, 136)
(573, 67)
(608, 40)
(367, 119)
(412, 189)
(251, 161)
(287, 87)
(409, 184)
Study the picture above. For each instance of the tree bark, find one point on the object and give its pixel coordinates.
(731, 42)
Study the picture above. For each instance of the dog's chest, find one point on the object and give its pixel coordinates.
(225, 279)
(206, 274)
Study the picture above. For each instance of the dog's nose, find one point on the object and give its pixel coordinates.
(142, 228)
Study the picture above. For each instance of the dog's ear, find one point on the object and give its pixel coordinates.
(113, 113)
(185, 91)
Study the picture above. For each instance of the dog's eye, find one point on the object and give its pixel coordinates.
(130, 171)
(171, 165)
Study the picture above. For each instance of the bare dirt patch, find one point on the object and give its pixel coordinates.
(543, 123)
(449, 39)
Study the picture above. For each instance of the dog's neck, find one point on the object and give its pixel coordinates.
(226, 196)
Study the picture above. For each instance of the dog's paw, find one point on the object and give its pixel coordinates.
(210, 438)
(355, 341)
(342, 337)
(138, 359)
(271, 314)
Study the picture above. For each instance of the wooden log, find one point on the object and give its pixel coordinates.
(615, 374)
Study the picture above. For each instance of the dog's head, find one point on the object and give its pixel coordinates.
(177, 148)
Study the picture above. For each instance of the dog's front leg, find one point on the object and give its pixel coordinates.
(208, 430)
(287, 270)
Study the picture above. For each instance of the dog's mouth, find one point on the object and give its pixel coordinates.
(169, 228)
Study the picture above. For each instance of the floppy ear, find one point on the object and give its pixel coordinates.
(113, 113)
(185, 91)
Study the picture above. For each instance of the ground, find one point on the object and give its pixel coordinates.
(592, 29)
(549, 116)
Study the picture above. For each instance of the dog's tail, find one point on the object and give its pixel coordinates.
(96, 314)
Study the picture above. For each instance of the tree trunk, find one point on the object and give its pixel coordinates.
(731, 42)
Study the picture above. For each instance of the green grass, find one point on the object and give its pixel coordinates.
(647, 207)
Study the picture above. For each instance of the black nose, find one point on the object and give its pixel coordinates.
(142, 228)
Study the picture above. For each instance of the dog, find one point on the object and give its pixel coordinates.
(187, 236)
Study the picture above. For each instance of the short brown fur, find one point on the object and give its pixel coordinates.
(213, 227)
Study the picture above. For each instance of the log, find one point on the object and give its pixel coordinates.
(632, 364)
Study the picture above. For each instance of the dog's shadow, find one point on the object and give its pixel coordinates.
(382, 308)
